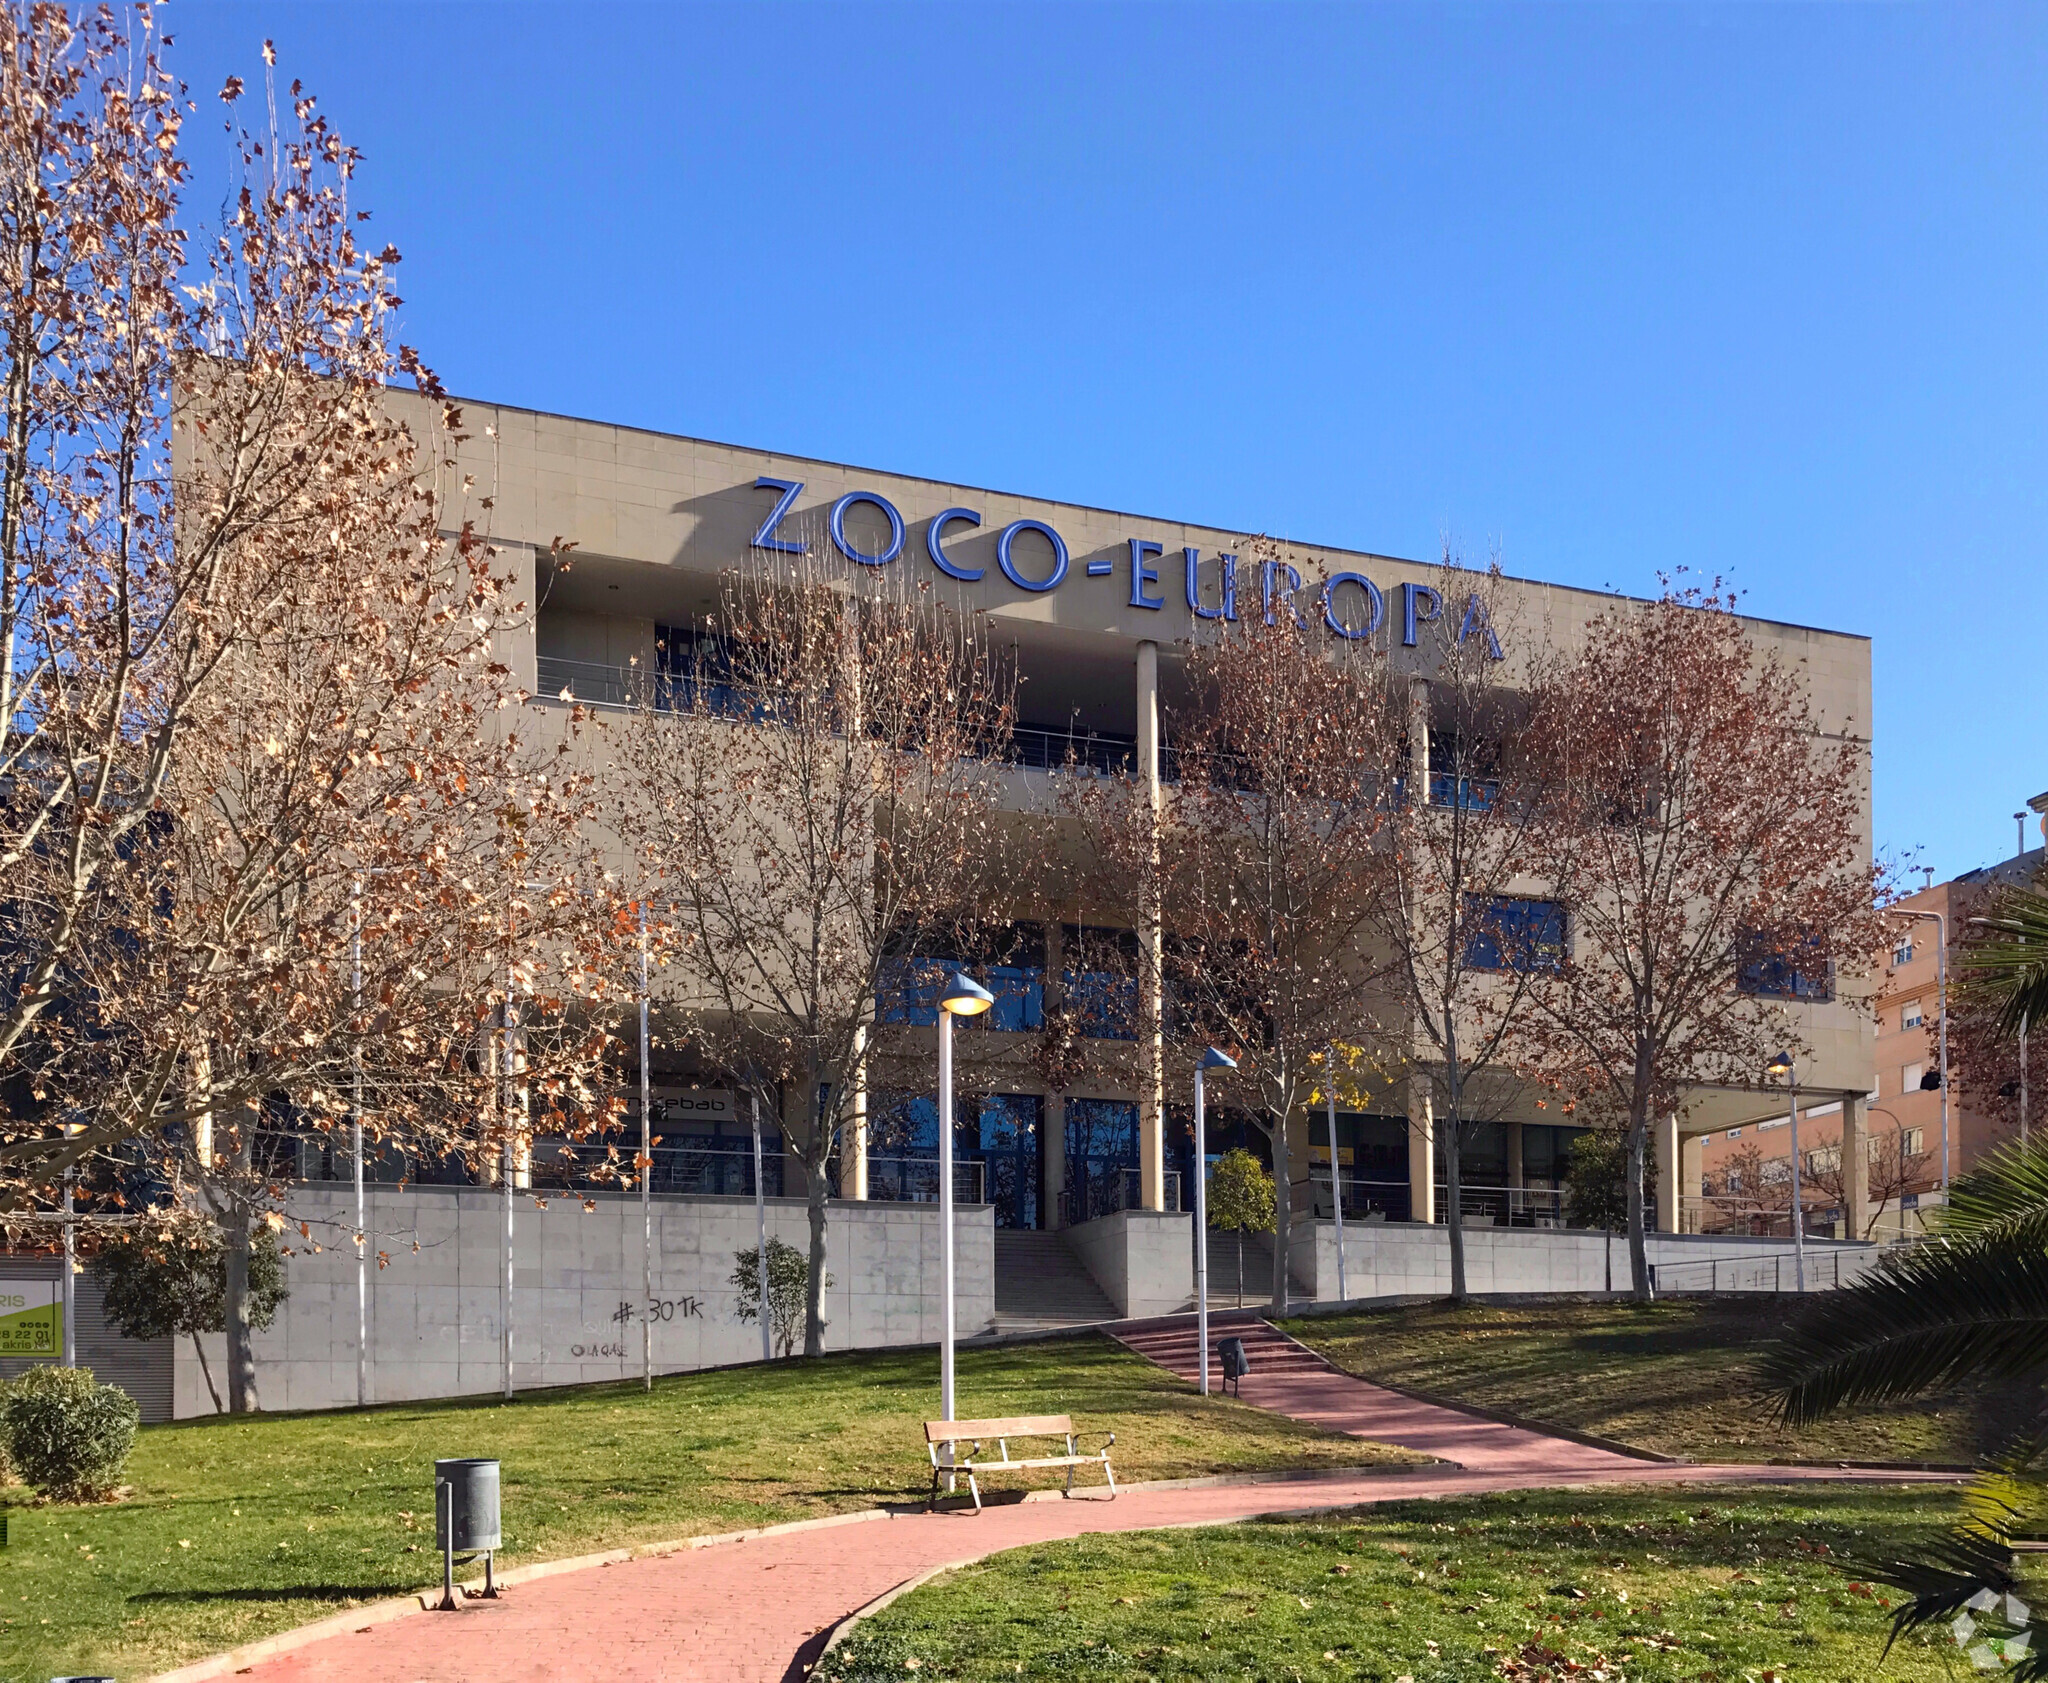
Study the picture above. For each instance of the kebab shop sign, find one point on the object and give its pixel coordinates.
(31, 1318)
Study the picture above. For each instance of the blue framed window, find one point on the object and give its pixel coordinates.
(1475, 794)
(1770, 968)
(1010, 964)
(1506, 933)
(1100, 976)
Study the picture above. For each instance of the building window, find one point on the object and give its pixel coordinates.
(1903, 952)
(1771, 968)
(1909, 1080)
(1011, 965)
(1912, 1016)
(1100, 979)
(1510, 934)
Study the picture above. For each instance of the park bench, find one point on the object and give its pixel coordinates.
(951, 1434)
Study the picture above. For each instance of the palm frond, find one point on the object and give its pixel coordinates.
(1974, 1567)
(2009, 967)
(1944, 1311)
(2006, 1195)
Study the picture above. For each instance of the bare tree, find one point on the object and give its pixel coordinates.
(1894, 1165)
(1709, 823)
(260, 710)
(810, 797)
(1473, 913)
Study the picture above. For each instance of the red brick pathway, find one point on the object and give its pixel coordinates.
(760, 1610)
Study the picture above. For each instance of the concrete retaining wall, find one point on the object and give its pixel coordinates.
(1144, 1260)
(1388, 1259)
(436, 1307)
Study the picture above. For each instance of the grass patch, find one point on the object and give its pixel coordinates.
(1674, 1377)
(241, 1528)
(1533, 1587)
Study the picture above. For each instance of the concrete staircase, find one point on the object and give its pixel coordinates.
(1041, 1284)
(1223, 1277)
(1172, 1344)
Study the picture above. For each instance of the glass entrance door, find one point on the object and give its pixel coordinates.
(1005, 1137)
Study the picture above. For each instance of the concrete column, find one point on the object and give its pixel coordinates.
(1152, 1024)
(853, 1143)
(1421, 1153)
(1664, 1137)
(1053, 1144)
(1692, 1170)
(1517, 1178)
(1856, 1165)
(1054, 1156)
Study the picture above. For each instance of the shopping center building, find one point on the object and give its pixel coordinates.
(1078, 1199)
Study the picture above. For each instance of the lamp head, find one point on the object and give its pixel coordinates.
(965, 997)
(1780, 1065)
(1213, 1059)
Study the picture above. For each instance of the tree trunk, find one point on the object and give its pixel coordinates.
(1638, 1249)
(1283, 1214)
(241, 1355)
(1454, 1205)
(206, 1372)
(814, 1286)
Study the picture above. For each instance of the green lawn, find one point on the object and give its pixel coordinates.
(240, 1528)
(1672, 1377)
(1537, 1587)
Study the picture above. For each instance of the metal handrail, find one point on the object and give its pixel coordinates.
(915, 1180)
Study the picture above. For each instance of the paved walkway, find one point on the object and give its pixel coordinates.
(760, 1610)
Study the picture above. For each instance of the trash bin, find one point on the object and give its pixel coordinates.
(1236, 1364)
(469, 1518)
(466, 1520)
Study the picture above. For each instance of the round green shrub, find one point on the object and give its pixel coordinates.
(67, 1434)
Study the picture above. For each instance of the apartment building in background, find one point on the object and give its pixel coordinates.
(1747, 1171)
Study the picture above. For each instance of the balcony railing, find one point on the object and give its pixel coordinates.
(1503, 1206)
(915, 1180)
(1107, 1191)
(1389, 1200)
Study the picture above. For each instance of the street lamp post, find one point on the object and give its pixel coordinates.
(1783, 1065)
(1211, 1059)
(1940, 922)
(964, 997)
(355, 1107)
(646, 1179)
(1336, 1175)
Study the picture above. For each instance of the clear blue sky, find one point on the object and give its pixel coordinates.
(1742, 289)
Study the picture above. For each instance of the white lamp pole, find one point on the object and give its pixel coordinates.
(761, 1238)
(1336, 1177)
(1783, 1065)
(1211, 1059)
(646, 1179)
(355, 966)
(964, 997)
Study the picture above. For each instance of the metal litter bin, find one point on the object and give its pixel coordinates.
(1236, 1364)
(466, 1519)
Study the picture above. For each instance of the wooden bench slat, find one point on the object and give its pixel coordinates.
(1022, 1426)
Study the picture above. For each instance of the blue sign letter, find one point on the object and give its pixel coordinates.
(1375, 607)
(1412, 616)
(1266, 571)
(838, 524)
(1228, 607)
(1476, 620)
(1142, 575)
(934, 540)
(1059, 555)
(765, 538)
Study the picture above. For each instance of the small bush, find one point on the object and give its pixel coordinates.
(67, 1434)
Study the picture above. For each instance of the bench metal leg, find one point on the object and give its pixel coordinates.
(976, 1488)
(1106, 1473)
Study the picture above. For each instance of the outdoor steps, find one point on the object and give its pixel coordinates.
(1041, 1283)
(1173, 1345)
(1224, 1284)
